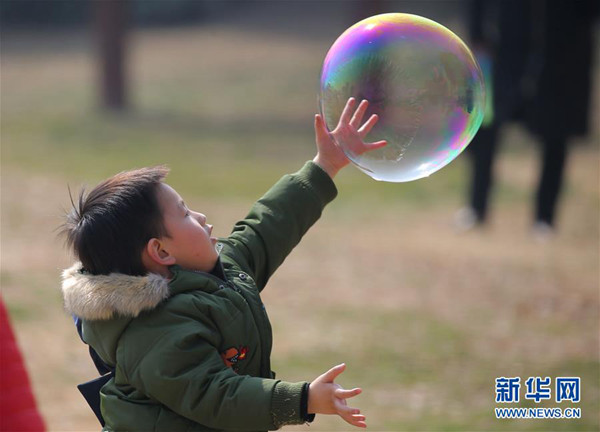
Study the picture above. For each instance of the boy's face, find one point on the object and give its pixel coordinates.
(189, 238)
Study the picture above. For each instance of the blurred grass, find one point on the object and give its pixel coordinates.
(425, 319)
(224, 163)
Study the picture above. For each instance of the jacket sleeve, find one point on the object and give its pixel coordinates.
(184, 371)
(278, 220)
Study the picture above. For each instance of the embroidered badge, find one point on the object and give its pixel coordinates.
(232, 356)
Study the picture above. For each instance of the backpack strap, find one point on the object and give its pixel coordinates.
(91, 392)
(91, 389)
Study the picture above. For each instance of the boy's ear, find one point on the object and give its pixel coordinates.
(157, 253)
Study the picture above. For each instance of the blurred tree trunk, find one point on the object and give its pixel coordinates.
(111, 18)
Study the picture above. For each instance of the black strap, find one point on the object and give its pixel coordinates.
(91, 392)
(91, 389)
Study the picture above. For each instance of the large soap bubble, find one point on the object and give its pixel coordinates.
(422, 81)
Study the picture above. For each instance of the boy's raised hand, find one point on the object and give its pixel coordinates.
(327, 397)
(330, 156)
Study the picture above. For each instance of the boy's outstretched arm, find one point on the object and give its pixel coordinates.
(330, 157)
(276, 222)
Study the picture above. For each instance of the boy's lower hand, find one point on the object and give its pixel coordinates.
(330, 156)
(327, 397)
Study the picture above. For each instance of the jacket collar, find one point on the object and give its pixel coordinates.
(101, 297)
(189, 280)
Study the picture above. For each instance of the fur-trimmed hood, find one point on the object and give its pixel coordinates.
(101, 297)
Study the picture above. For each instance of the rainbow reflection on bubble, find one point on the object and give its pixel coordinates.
(422, 81)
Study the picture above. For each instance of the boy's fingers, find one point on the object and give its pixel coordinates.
(320, 128)
(344, 409)
(366, 147)
(360, 112)
(359, 421)
(333, 373)
(377, 144)
(355, 420)
(345, 394)
(366, 128)
(345, 117)
(319, 123)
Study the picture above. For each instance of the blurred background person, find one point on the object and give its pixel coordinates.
(541, 73)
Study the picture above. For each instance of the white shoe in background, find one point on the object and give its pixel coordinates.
(542, 232)
(465, 220)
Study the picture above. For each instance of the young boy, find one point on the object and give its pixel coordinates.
(176, 314)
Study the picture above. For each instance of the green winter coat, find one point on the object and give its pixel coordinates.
(193, 353)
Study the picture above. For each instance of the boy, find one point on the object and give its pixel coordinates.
(176, 314)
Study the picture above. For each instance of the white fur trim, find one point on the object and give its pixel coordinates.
(99, 297)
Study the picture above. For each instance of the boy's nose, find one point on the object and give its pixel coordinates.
(201, 218)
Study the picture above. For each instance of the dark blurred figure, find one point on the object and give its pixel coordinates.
(541, 56)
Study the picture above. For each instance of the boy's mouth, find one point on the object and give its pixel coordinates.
(212, 239)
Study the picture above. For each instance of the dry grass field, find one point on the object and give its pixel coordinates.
(424, 317)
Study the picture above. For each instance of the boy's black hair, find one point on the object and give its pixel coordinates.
(110, 226)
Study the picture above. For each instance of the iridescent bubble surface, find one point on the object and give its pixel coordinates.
(419, 78)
